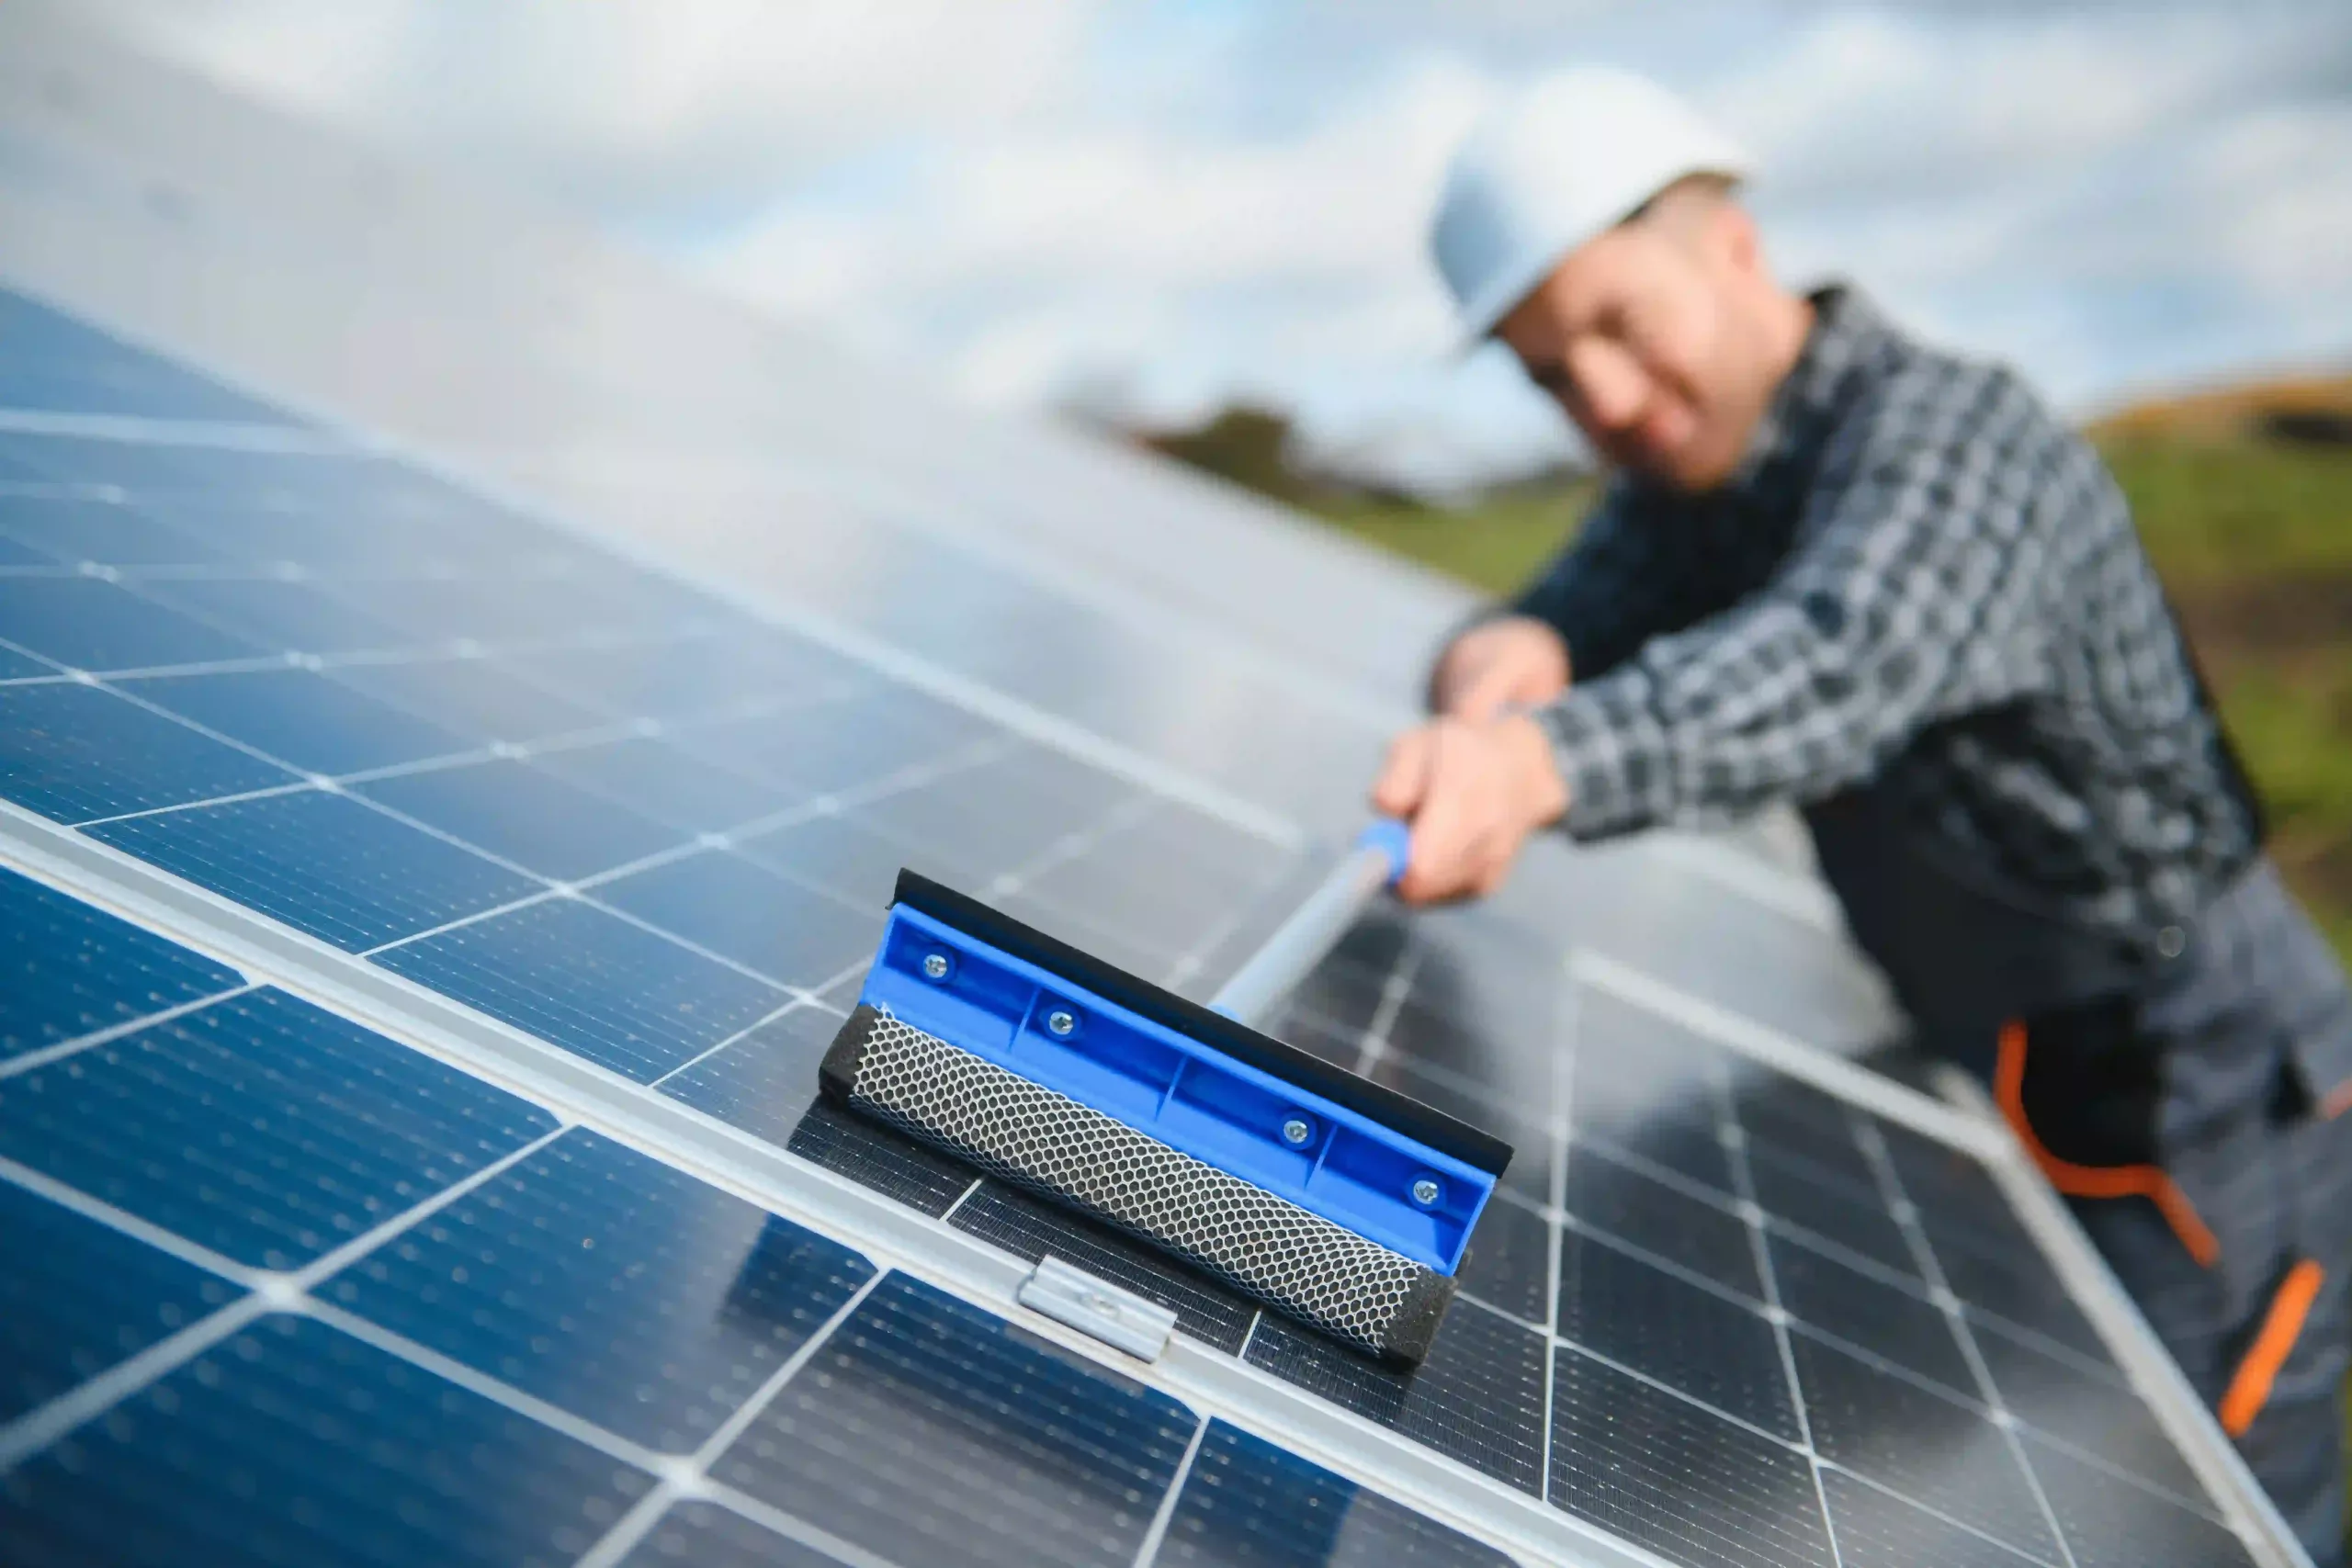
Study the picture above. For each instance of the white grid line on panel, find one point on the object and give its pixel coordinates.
(1568, 1222)
(912, 777)
(1907, 1216)
(450, 1369)
(1566, 1046)
(797, 1004)
(1777, 1313)
(690, 1476)
(795, 1529)
(2151, 1371)
(1069, 847)
(26, 1061)
(268, 1290)
(974, 697)
(1165, 1515)
(1044, 568)
(1394, 987)
(891, 1235)
(1881, 1488)
(1222, 929)
(232, 436)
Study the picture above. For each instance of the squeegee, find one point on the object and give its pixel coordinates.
(1321, 1194)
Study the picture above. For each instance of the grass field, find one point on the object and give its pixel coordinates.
(2252, 534)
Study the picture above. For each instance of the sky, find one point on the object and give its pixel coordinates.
(1151, 209)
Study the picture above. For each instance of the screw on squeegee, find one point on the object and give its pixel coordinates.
(935, 965)
(1297, 1131)
(1061, 1023)
(1426, 1192)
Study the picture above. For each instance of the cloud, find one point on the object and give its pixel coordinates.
(1192, 203)
(631, 105)
(1068, 243)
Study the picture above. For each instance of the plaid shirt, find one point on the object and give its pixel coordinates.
(1919, 578)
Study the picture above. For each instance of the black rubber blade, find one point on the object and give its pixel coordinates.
(1399, 1113)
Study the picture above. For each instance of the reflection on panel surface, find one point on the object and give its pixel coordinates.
(285, 1292)
(1711, 1310)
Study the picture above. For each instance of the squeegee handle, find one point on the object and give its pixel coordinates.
(1303, 939)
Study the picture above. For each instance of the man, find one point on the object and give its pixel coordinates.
(1835, 566)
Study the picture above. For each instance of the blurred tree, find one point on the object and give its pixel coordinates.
(1244, 442)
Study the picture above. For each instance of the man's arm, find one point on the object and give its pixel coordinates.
(1616, 586)
(1912, 595)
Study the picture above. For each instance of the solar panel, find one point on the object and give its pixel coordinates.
(428, 925)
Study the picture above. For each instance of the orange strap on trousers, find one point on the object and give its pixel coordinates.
(2147, 1181)
(2290, 1305)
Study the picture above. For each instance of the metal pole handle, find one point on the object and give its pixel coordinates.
(1303, 939)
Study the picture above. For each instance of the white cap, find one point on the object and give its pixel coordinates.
(1560, 161)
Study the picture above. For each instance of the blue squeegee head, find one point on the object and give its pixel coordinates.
(1329, 1199)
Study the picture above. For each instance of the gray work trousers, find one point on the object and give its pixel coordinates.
(2254, 1023)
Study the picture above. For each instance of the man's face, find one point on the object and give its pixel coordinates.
(1636, 334)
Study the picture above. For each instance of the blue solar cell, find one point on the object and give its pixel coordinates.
(71, 530)
(845, 854)
(300, 718)
(277, 615)
(2096, 1415)
(1247, 1504)
(656, 779)
(611, 1285)
(703, 1535)
(324, 864)
(1509, 1264)
(937, 818)
(1666, 1474)
(76, 753)
(592, 983)
(473, 696)
(1926, 1446)
(823, 748)
(248, 518)
(291, 1444)
(1618, 1202)
(67, 969)
(1878, 1529)
(781, 928)
(695, 675)
(1104, 941)
(1899, 1325)
(48, 360)
(928, 1431)
(502, 611)
(260, 1126)
(1166, 905)
(765, 1082)
(12, 553)
(1479, 1397)
(87, 624)
(2111, 1522)
(521, 814)
(76, 1297)
(1709, 1346)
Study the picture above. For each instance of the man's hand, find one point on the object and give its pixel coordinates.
(1515, 663)
(1473, 793)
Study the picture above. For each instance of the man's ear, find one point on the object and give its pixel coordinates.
(1732, 235)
